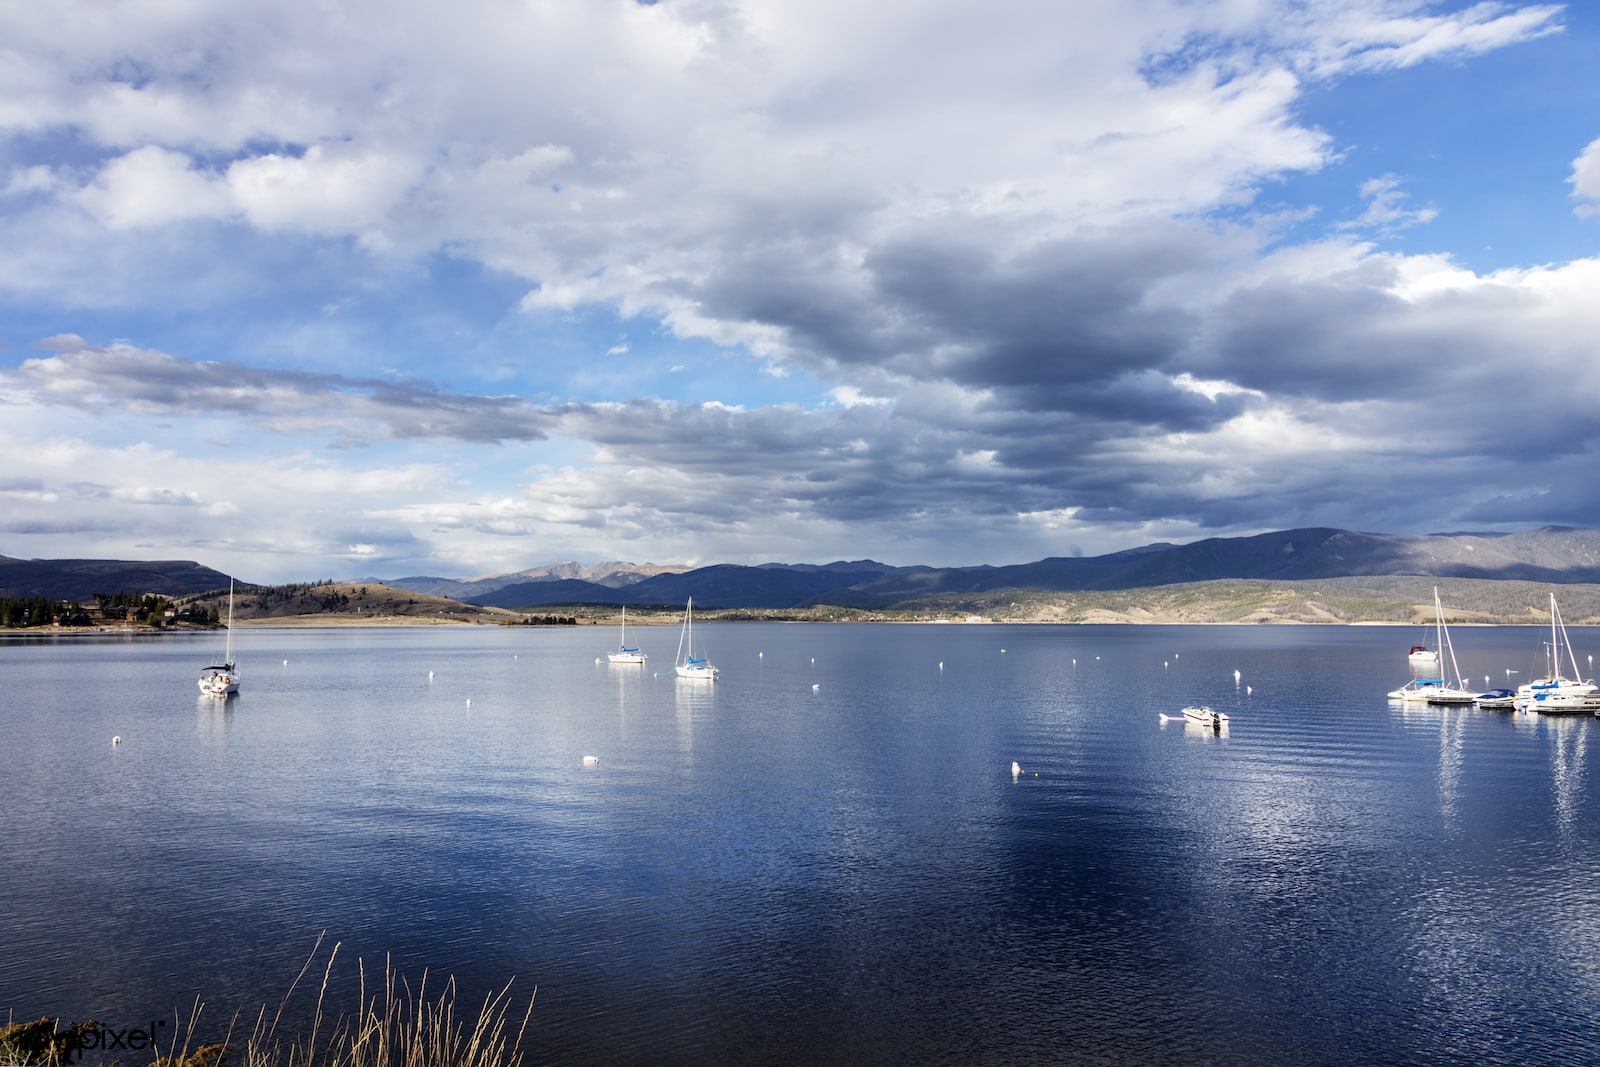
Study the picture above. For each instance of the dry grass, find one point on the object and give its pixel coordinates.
(393, 1026)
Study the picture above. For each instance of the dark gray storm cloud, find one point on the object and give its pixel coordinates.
(126, 378)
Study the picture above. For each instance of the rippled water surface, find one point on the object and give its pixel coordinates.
(824, 858)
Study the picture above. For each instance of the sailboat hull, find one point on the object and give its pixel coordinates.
(219, 683)
(696, 672)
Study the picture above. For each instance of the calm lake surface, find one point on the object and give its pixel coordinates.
(824, 857)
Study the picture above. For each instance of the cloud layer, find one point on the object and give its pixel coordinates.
(945, 285)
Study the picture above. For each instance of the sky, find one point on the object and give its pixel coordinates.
(340, 288)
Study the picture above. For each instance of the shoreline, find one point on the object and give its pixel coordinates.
(393, 622)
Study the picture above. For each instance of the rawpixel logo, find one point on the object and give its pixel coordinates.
(110, 1039)
(40, 1044)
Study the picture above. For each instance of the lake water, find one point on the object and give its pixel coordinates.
(823, 858)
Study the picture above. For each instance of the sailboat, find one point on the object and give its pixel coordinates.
(1427, 684)
(1555, 692)
(624, 654)
(222, 679)
(686, 665)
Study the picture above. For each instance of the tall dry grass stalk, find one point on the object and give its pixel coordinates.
(394, 1027)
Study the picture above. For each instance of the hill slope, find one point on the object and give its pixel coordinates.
(358, 602)
(81, 579)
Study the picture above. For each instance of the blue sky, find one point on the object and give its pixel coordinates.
(358, 289)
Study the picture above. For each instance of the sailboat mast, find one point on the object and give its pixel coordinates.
(227, 652)
(1566, 642)
(1455, 668)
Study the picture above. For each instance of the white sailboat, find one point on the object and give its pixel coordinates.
(1428, 684)
(1555, 692)
(686, 665)
(624, 654)
(222, 679)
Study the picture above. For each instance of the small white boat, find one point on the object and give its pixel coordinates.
(686, 664)
(624, 654)
(1496, 700)
(1556, 693)
(1204, 716)
(222, 679)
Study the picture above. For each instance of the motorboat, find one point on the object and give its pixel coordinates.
(1205, 716)
(1496, 700)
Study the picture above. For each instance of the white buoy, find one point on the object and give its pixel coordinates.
(941, 665)
(761, 655)
(430, 676)
(469, 702)
(591, 761)
(1016, 769)
(1249, 689)
(1235, 677)
(597, 659)
(117, 740)
(285, 663)
(815, 686)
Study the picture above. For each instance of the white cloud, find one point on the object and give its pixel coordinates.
(35, 179)
(152, 186)
(327, 190)
(1386, 211)
(851, 397)
(1586, 180)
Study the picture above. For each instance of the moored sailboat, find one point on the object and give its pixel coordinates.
(624, 654)
(1555, 692)
(1428, 684)
(686, 664)
(222, 679)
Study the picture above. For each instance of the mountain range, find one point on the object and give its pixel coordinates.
(1558, 555)
(612, 574)
(1554, 555)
